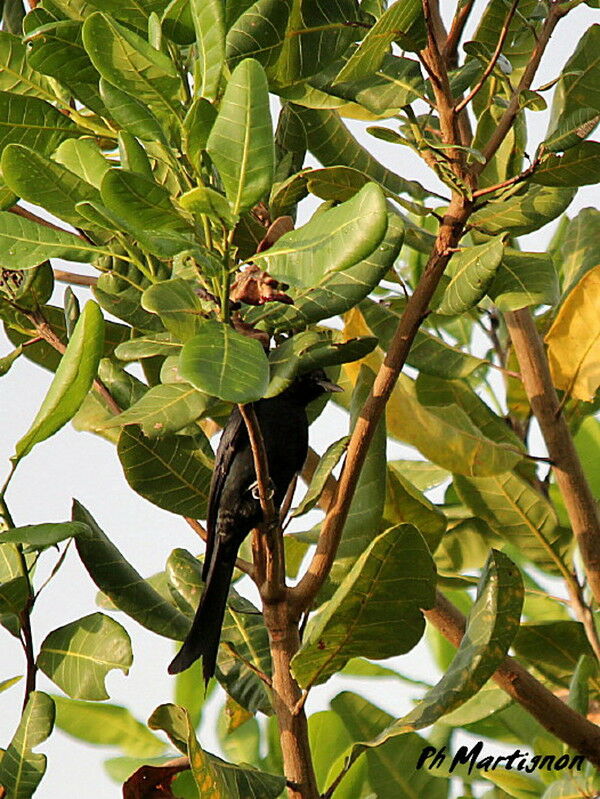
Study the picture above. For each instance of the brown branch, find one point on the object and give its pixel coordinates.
(450, 51)
(507, 183)
(284, 642)
(495, 56)
(508, 117)
(436, 69)
(303, 594)
(575, 490)
(73, 279)
(248, 664)
(553, 714)
(240, 563)
(19, 211)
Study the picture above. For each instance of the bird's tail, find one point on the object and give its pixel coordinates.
(205, 633)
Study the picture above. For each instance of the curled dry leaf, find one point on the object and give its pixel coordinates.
(283, 224)
(248, 330)
(154, 782)
(254, 286)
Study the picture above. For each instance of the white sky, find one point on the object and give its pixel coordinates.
(84, 466)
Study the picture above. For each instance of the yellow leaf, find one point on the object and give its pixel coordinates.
(574, 340)
(355, 325)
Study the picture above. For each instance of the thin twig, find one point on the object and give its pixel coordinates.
(19, 211)
(508, 117)
(507, 183)
(495, 56)
(73, 279)
(248, 664)
(455, 33)
(241, 564)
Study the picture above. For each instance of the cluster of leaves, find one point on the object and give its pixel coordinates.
(146, 128)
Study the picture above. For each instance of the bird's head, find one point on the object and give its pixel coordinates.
(310, 385)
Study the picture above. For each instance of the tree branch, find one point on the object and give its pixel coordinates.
(575, 490)
(19, 211)
(303, 594)
(508, 117)
(75, 280)
(450, 51)
(495, 56)
(553, 714)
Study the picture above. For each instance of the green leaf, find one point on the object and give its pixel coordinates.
(553, 647)
(446, 435)
(25, 244)
(147, 347)
(336, 291)
(56, 49)
(177, 22)
(163, 410)
(578, 86)
(213, 776)
(328, 740)
(79, 655)
(84, 158)
(106, 725)
(203, 200)
(579, 166)
(327, 463)
(133, 12)
(240, 143)
(140, 201)
(225, 364)
(331, 241)
(72, 381)
(310, 350)
(316, 34)
(260, 31)
(392, 767)
(396, 83)
(404, 18)
(375, 612)
(127, 61)
(178, 306)
(406, 504)
(14, 583)
(330, 141)
(207, 16)
(572, 130)
(422, 474)
(515, 511)
(169, 472)
(122, 584)
(39, 180)
(33, 122)
(573, 787)
(472, 270)
(197, 125)
(580, 251)
(130, 113)
(40, 536)
(16, 74)
(491, 627)
(523, 213)
(524, 279)
(21, 769)
(6, 361)
(429, 354)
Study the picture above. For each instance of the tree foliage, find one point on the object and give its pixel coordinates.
(162, 148)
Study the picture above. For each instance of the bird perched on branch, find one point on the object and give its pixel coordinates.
(234, 505)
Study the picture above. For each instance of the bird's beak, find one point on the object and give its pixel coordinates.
(329, 386)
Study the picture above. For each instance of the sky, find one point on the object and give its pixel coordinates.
(83, 466)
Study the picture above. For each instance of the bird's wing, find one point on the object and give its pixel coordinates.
(232, 435)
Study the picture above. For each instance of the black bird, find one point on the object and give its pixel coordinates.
(234, 507)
